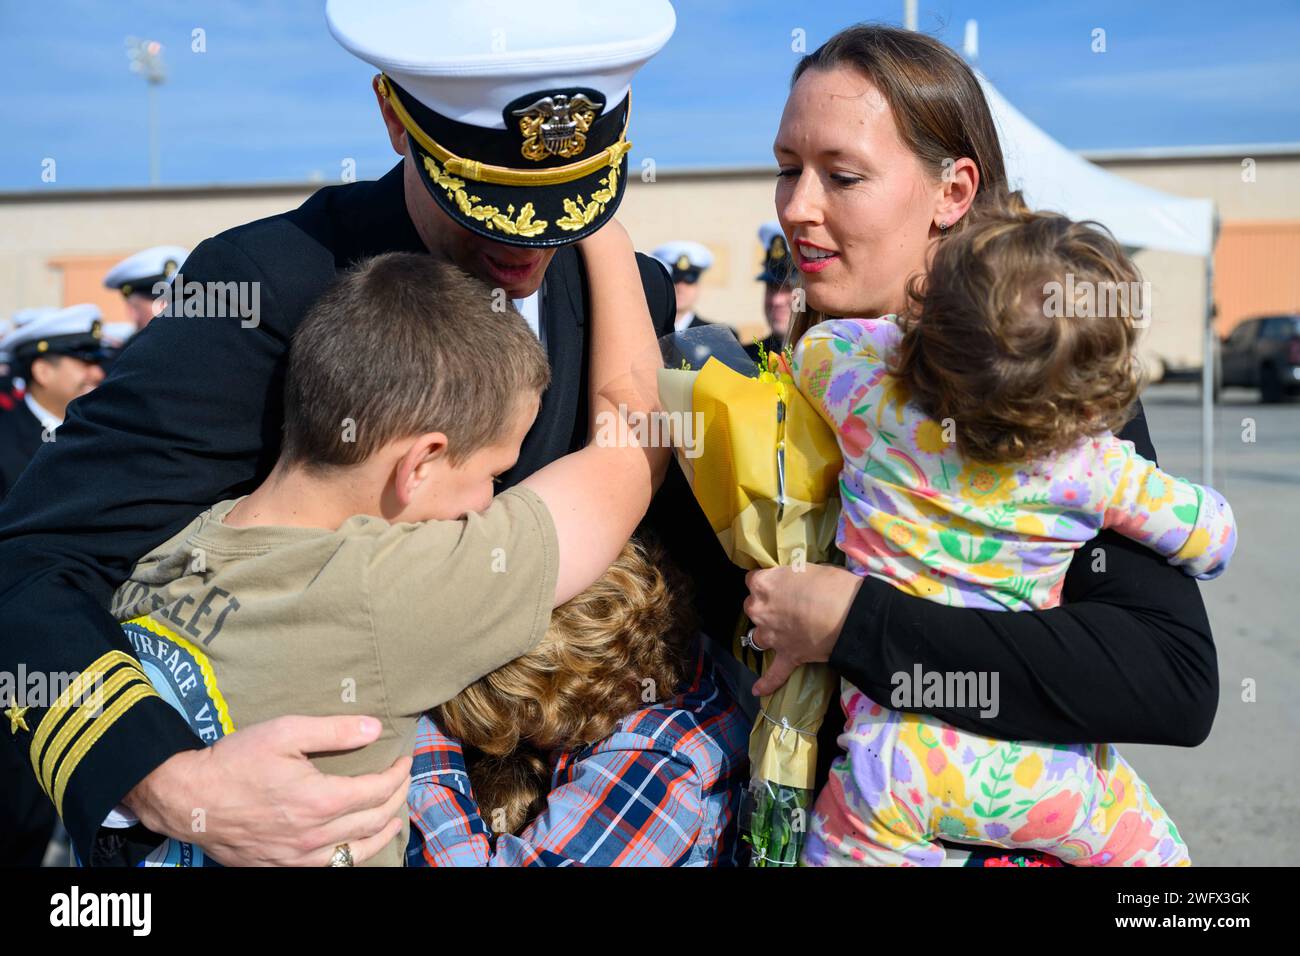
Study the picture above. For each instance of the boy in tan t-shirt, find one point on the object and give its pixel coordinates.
(373, 571)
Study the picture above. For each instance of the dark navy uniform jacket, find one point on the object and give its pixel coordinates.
(20, 437)
(190, 415)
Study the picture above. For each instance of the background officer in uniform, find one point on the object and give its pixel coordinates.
(58, 352)
(12, 384)
(60, 356)
(136, 277)
(686, 261)
(778, 270)
(510, 153)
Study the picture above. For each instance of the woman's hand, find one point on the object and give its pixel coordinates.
(798, 614)
(263, 803)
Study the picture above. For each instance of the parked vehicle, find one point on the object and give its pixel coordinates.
(1263, 353)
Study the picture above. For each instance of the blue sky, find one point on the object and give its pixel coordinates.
(274, 98)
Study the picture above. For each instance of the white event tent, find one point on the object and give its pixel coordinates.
(1053, 177)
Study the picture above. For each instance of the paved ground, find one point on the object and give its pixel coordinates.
(1236, 798)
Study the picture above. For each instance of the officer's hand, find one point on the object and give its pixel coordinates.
(263, 803)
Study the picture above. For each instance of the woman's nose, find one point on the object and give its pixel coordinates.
(802, 204)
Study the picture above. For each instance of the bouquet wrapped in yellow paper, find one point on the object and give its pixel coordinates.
(764, 467)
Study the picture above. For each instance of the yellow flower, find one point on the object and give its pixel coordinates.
(986, 485)
(1157, 491)
(929, 438)
(1029, 770)
(991, 571)
(893, 393)
(1031, 525)
(1196, 545)
(920, 586)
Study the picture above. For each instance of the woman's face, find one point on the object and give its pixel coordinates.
(853, 200)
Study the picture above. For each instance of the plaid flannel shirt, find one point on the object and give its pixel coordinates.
(662, 790)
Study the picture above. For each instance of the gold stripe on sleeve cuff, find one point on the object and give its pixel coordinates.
(83, 700)
(135, 693)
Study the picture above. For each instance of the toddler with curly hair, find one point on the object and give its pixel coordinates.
(979, 454)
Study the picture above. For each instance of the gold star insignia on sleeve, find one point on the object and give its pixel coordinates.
(16, 721)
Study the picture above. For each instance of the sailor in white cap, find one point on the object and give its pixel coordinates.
(60, 355)
(511, 118)
(11, 383)
(686, 261)
(777, 271)
(137, 277)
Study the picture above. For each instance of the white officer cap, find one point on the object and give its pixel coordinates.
(516, 109)
(115, 334)
(23, 316)
(139, 272)
(684, 259)
(75, 330)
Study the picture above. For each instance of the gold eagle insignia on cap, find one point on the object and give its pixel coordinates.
(169, 268)
(557, 125)
(778, 248)
(683, 262)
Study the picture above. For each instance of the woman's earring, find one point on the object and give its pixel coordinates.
(943, 226)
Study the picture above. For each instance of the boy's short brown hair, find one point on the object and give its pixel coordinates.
(400, 345)
(995, 342)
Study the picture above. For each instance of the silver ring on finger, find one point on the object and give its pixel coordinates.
(748, 641)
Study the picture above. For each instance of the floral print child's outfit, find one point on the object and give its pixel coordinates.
(997, 536)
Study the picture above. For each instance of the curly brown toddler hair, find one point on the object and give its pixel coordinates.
(1023, 333)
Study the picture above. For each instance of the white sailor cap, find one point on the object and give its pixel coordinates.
(75, 331)
(139, 272)
(516, 110)
(778, 265)
(116, 334)
(684, 259)
(23, 316)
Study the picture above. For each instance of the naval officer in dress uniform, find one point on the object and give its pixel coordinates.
(58, 352)
(137, 277)
(777, 272)
(60, 356)
(512, 123)
(685, 261)
(12, 385)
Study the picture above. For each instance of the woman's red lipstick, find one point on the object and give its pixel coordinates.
(820, 259)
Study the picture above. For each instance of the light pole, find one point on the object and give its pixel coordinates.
(146, 59)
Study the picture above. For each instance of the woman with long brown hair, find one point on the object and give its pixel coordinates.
(885, 146)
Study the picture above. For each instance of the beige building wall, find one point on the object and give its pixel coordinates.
(49, 239)
(1256, 189)
(721, 210)
(52, 244)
